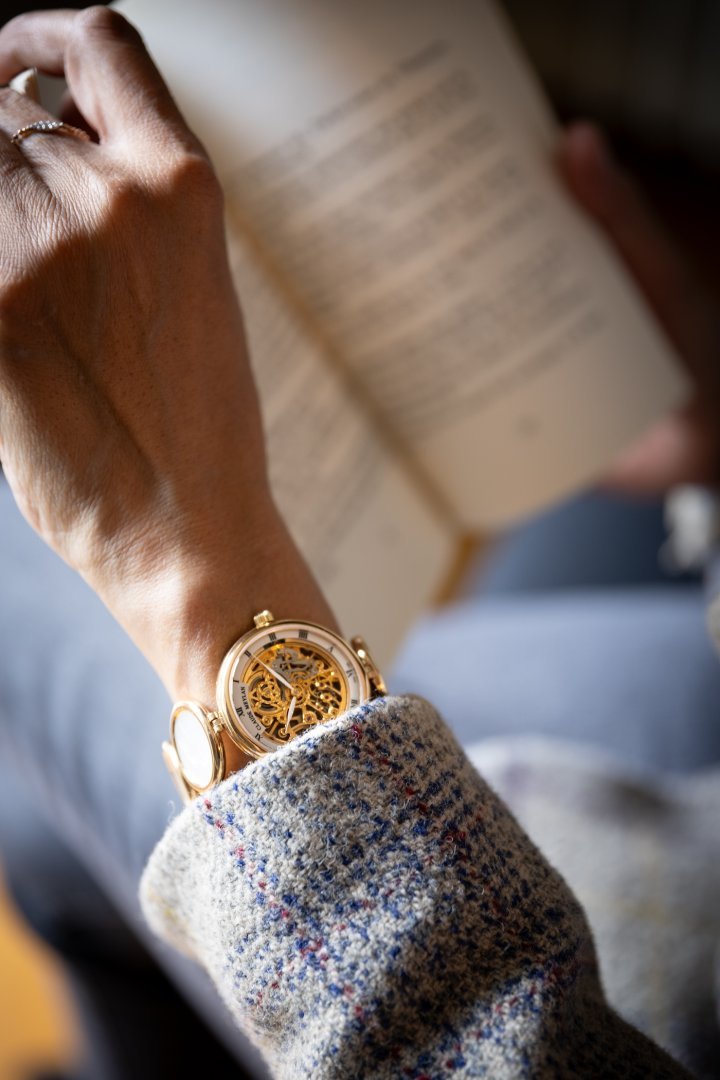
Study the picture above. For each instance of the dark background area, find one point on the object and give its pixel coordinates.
(649, 72)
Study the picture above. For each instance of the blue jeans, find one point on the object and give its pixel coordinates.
(575, 630)
(84, 796)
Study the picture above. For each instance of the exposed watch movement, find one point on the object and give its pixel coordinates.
(276, 681)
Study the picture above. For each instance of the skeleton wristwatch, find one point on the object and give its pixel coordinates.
(275, 682)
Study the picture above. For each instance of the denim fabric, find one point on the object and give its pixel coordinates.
(632, 671)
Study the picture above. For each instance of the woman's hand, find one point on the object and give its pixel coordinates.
(129, 426)
(684, 448)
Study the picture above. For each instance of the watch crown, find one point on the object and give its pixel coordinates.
(377, 683)
(263, 618)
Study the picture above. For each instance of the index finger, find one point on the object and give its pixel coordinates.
(111, 76)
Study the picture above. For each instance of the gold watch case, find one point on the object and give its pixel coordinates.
(278, 680)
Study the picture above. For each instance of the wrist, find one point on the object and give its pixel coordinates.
(189, 612)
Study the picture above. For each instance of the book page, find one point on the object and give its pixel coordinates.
(365, 531)
(396, 162)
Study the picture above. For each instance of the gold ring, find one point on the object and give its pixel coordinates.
(48, 127)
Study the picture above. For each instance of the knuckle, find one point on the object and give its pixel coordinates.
(17, 24)
(190, 178)
(194, 173)
(8, 315)
(8, 97)
(39, 232)
(11, 177)
(17, 304)
(185, 190)
(104, 20)
(128, 200)
(14, 30)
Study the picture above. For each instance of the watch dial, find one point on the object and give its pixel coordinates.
(290, 677)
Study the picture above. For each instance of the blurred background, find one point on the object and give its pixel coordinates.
(649, 71)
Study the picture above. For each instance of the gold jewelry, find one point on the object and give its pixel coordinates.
(278, 680)
(48, 127)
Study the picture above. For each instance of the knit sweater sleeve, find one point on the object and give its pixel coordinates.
(368, 907)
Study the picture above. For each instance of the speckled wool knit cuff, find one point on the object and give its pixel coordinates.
(369, 908)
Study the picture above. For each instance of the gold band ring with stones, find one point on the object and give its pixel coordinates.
(48, 127)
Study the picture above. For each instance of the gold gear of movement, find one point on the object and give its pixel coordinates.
(319, 688)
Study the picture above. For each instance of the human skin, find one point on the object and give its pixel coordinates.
(683, 448)
(130, 432)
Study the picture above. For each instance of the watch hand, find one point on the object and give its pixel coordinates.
(277, 674)
(288, 718)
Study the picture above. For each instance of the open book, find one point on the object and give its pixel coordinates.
(442, 342)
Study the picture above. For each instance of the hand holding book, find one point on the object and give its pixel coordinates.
(683, 448)
(440, 339)
(130, 432)
(443, 342)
